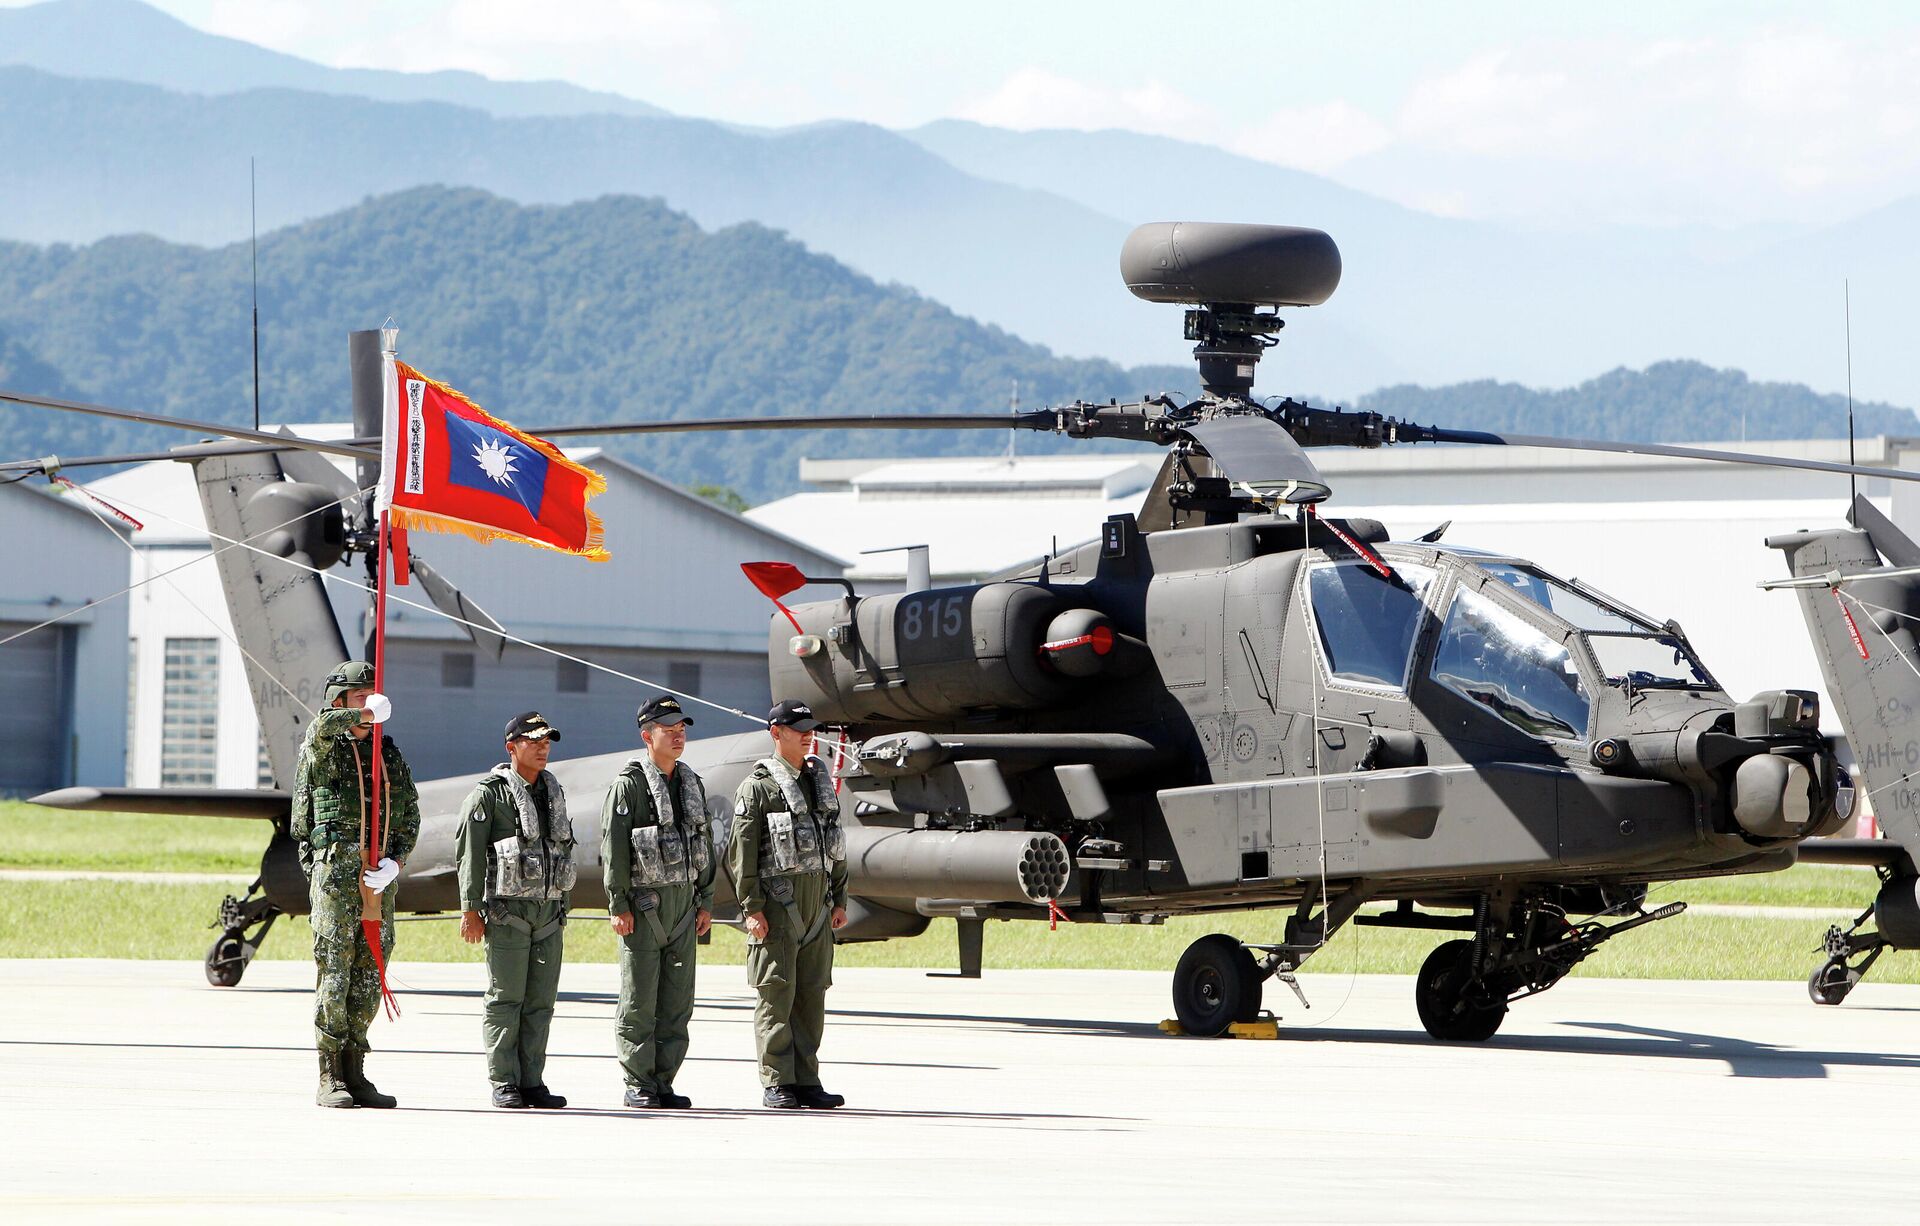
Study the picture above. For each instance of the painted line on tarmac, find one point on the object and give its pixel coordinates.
(81, 874)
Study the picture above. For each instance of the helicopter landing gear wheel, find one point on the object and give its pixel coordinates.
(1830, 984)
(227, 959)
(1452, 1007)
(1216, 984)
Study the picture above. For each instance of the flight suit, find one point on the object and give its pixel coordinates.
(516, 869)
(788, 860)
(331, 784)
(659, 866)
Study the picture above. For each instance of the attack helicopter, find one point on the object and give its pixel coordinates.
(1228, 701)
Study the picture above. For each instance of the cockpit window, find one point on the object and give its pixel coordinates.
(1632, 653)
(1648, 661)
(1367, 622)
(1576, 608)
(1495, 658)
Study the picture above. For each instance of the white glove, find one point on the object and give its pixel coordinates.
(380, 707)
(381, 876)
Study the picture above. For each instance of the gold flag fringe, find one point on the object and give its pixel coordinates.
(594, 551)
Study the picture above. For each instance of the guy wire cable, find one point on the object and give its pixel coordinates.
(100, 600)
(414, 604)
(133, 551)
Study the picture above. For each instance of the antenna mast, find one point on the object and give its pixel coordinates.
(253, 220)
(1013, 407)
(1853, 480)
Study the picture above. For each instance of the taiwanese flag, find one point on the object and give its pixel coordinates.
(448, 465)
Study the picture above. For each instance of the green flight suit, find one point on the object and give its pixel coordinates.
(658, 957)
(525, 935)
(331, 784)
(792, 967)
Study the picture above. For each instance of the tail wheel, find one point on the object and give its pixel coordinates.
(227, 960)
(1830, 984)
(1216, 984)
(1448, 1009)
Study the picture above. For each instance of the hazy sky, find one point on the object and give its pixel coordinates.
(1710, 111)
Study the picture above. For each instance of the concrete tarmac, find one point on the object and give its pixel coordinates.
(131, 1091)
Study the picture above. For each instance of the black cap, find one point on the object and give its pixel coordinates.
(664, 709)
(795, 715)
(531, 726)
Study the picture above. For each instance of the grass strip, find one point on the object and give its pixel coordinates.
(111, 919)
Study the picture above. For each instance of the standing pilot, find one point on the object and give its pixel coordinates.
(515, 850)
(330, 824)
(789, 862)
(659, 873)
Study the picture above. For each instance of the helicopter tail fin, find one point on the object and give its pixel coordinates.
(1863, 627)
(1862, 615)
(281, 616)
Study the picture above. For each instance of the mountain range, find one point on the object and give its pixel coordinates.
(621, 309)
(1019, 230)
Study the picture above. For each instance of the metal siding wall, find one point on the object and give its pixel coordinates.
(457, 731)
(54, 557)
(674, 576)
(33, 737)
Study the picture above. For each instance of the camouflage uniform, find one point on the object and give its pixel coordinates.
(657, 958)
(330, 787)
(791, 967)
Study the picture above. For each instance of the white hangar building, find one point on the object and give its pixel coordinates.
(671, 606)
(1676, 539)
(63, 687)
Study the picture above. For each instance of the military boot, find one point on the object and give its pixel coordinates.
(782, 1098)
(540, 1096)
(818, 1098)
(333, 1091)
(353, 1067)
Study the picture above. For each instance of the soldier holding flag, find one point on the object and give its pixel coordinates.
(333, 798)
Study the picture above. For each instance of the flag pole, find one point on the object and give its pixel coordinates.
(376, 839)
(373, 905)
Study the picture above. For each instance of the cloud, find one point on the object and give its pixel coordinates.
(1033, 98)
(1778, 122)
(1317, 138)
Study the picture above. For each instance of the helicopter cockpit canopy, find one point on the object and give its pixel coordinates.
(1631, 651)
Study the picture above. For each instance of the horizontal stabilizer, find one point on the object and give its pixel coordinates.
(261, 804)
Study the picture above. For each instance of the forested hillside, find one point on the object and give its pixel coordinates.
(620, 309)
(1667, 402)
(616, 309)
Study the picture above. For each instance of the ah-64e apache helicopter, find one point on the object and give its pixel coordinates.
(1226, 702)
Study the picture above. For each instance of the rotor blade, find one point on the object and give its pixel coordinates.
(1894, 545)
(54, 463)
(1038, 419)
(181, 423)
(309, 468)
(1257, 452)
(453, 602)
(1487, 438)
